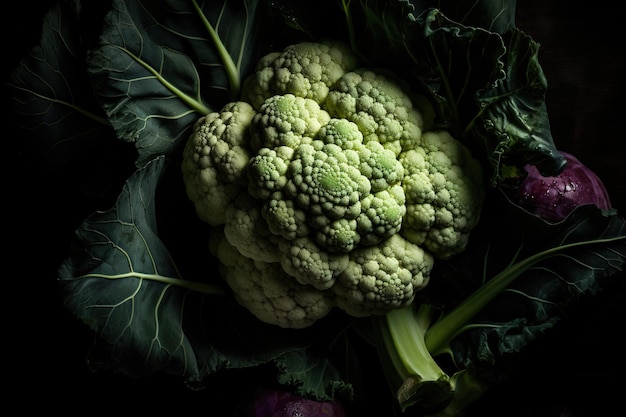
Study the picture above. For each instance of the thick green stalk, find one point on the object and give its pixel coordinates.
(407, 328)
(421, 382)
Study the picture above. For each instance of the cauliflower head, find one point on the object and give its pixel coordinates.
(326, 189)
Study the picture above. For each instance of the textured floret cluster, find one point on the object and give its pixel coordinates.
(325, 188)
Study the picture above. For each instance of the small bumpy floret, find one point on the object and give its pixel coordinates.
(245, 229)
(284, 218)
(309, 264)
(267, 291)
(381, 215)
(326, 183)
(380, 165)
(342, 133)
(287, 120)
(307, 69)
(215, 160)
(444, 189)
(267, 171)
(379, 106)
(384, 277)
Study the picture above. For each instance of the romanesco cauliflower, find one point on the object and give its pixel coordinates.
(325, 188)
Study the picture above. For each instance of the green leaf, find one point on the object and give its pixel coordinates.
(461, 61)
(490, 90)
(492, 15)
(546, 269)
(50, 91)
(382, 30)
(62, 139)
(514, 123)
(545, 292)
(312, 374)
(121, 281)
(160, 65)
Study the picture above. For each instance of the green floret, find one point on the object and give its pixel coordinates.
(215, 160)
(325, 180)
(267, 171)
(381, 215)
(287, 120)
(339, 235)
(444, 191)
(284, 218)
(383, 277)
(341, 132)
(310, 264)
(380, 166)
(379, 106)
(245, 229)
(267, 291)
(307, 70)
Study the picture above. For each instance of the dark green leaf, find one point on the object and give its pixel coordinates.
(490, 90)
(50, 92)
(514, 123)
(120, 280)
(312, 374)
(378, 32)
(159, 65)
(543, 294)
(460, 62)
(492, 15)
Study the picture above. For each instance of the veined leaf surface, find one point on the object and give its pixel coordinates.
(50, 91)
(121, 281)
(160, 65)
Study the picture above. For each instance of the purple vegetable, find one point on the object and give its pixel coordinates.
(554, 198)
(285, 404)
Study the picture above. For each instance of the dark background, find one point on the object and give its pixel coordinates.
(575, 371)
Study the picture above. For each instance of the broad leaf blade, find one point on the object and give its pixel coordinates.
(160, 65)
(515, 125)
(461, 61)
(542, 295)
(50, 91)
(490, 89)
(119, 280)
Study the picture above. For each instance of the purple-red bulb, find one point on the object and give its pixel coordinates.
(554, 198)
